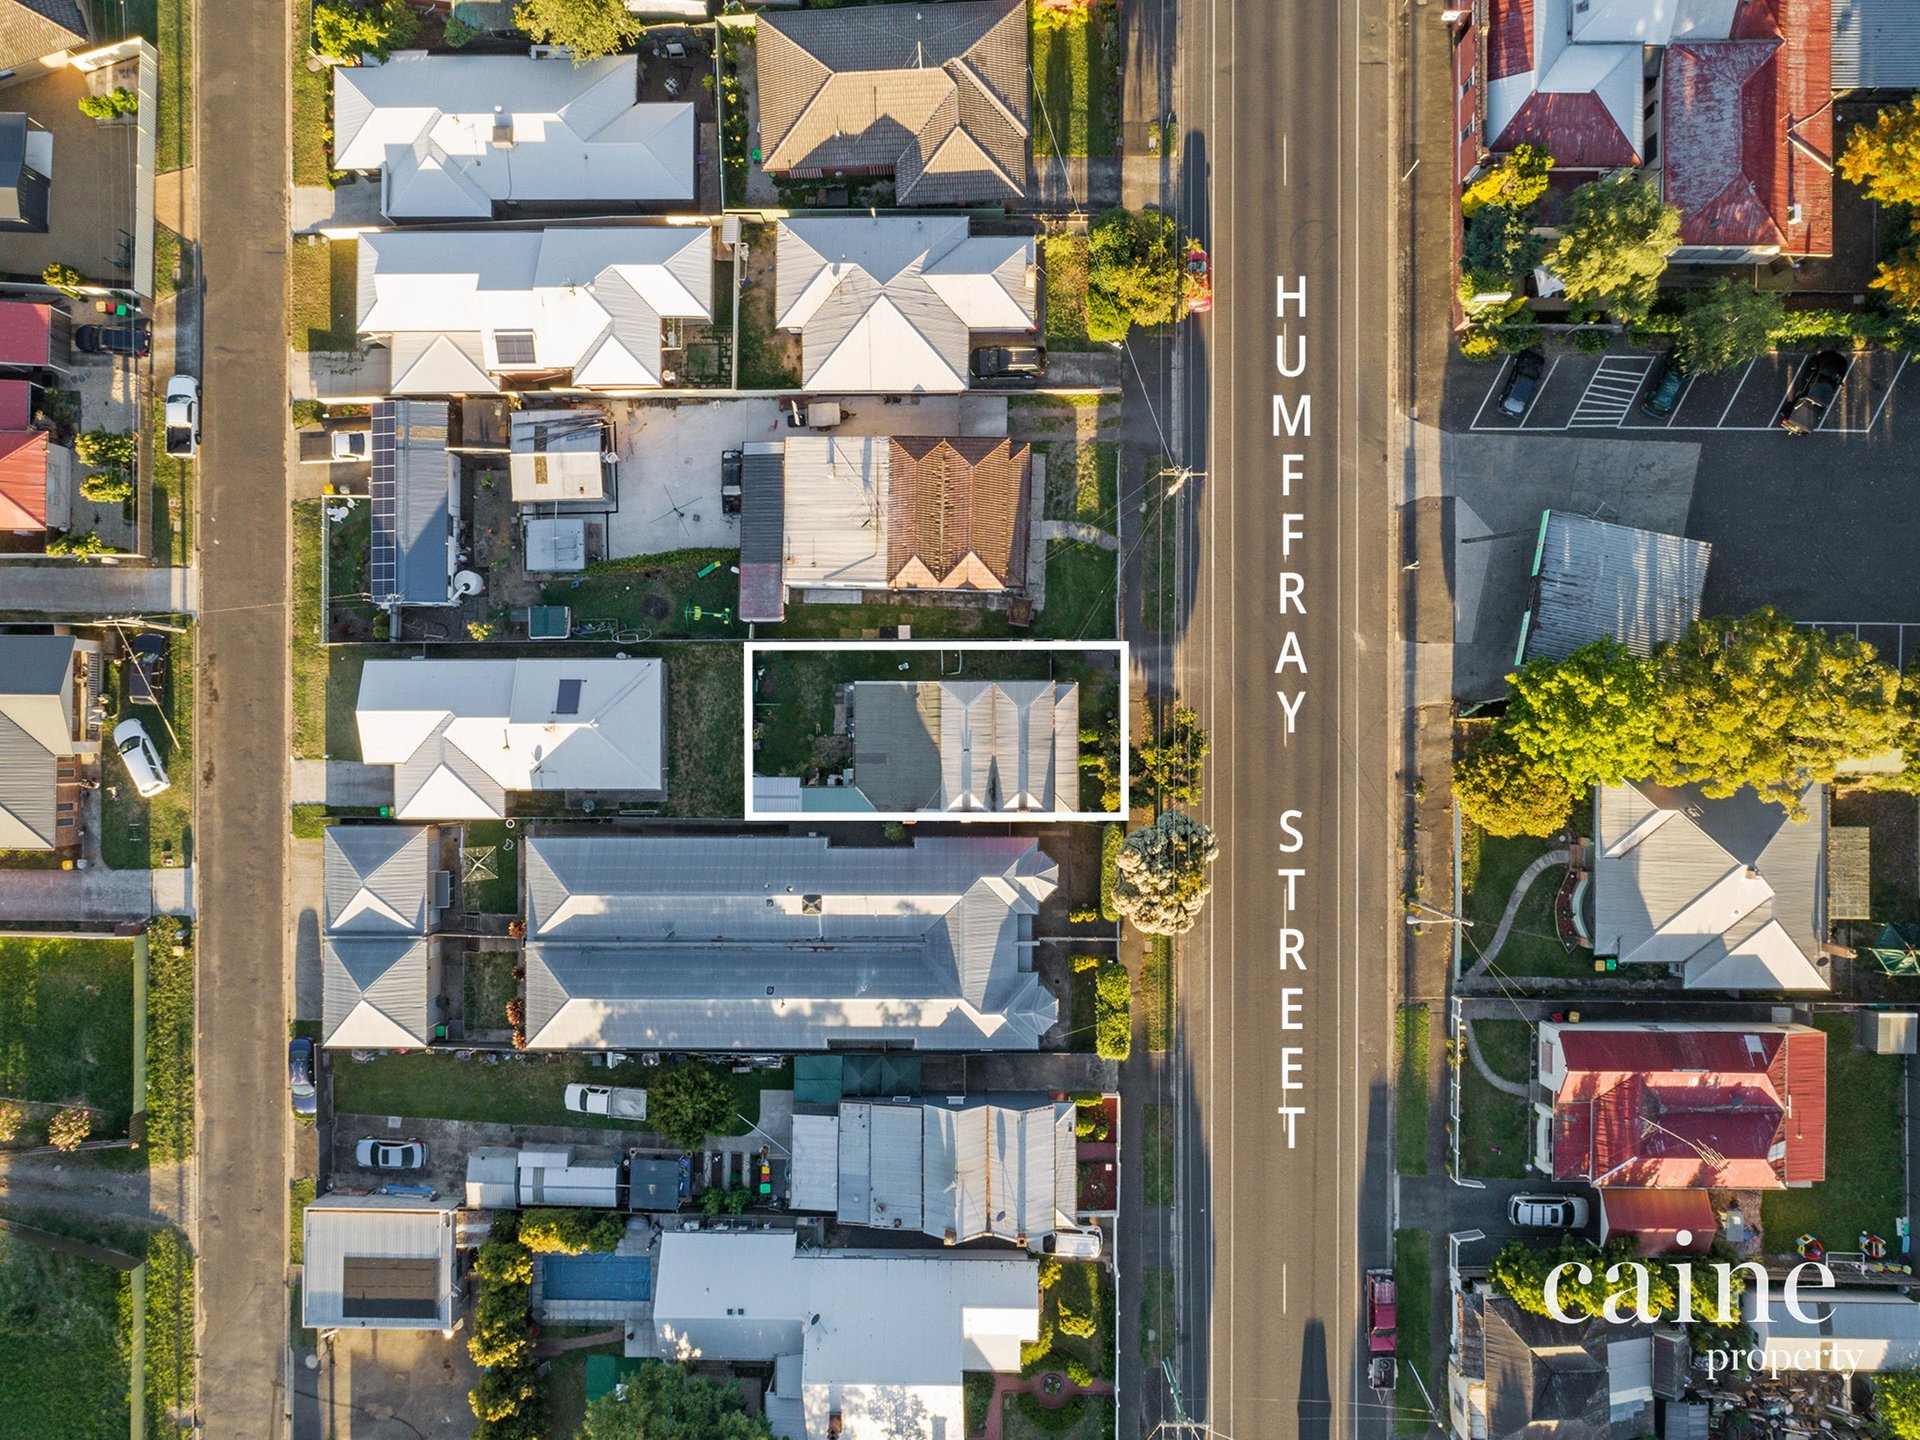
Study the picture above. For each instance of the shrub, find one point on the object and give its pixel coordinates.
(308, 412)
(1517, 181)
(1035, 1353)
(458, 33)
(346, 32)
(107, 487)
(1518, 335)
(71, 1127)
(483, 630)
(1053, 1421)
(1084, 963)
(83, 544)
(507, 1401)
(12, 1118)
(63, 278)
(105, 448)
(689, 1103)
(1592, 341)
(1480, 345)
(1077, 1371)
(1112, 1012)
(1499, 244)
(1091, 1125)
(1112, 837)
(1078, 1302)
(571, 1232)
(1049, 1272)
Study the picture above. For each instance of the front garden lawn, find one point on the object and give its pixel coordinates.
(1076, 85)
(1533, 946)
(152, 834)
(1493, 1141)
(322, 286)
(1864, 1190)
(1081, 583)
(64, 1336)
(66, 1028)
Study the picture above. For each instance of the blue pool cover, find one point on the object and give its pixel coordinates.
(597, 1277)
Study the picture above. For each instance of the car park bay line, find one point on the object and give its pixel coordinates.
(1610, 392)
(1736, 393)
(1874, 419)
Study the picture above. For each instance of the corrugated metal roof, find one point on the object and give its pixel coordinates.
(967, 745)
(763, 518)
(376, 879)
(813, 1183)
(1594, 580)
(344, 1229)
(1876, 45)
(374, 992)
(413, 476)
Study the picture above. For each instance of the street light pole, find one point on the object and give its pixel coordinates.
(1444, 916)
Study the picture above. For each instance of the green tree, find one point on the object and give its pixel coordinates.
(1884, 158)
(63, 278)
(1520, 1272)
(570, 1232)
(1727, 326)
(70, 1128)
(1161, 882)
(1172, 766)
(663, 1401)
(1505, 794)
(12, 1119)
(107, 487)
(105, 448)
(1761, 701)
(688, 1103)
(588, 28)
(1060, 14)
(1133, 271)
(1896, 1399)
(1499, 245)
(1591, 718)
(1899, 278)
(1515, 181)
(83, 544)
(1614, 245)
(346, 31)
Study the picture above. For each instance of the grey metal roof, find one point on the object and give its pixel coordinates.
(1545, 1381)
(412, 559)
(783, 943)
(1593, 579)
(967, 745)
(999, 1166)
(376, 879)
(29, 788)
(1732, 890)
(1876, 44)
(374, 992)
(763, 517)
(880, 1164)
(36, 732)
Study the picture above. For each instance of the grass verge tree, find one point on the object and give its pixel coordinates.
(1161, 882)
(1133, 272)
(1614, 244)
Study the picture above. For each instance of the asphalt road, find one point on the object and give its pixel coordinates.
(1287, 148)
(241, 856)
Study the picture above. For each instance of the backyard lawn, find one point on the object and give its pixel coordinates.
(66, 1028)
(322, 286)
(520, 1090)
(500, 893)
(1066, 257)
(1493, 1143)
(1076, 85)
(704, 764)
(1532, 947)
(866, 622)
(1864, 1189)
(1413, 1293)
(1410, 1090)
(653, 596)
(64, 1335)
(490, 985)
(139, 834)
(1081, 582)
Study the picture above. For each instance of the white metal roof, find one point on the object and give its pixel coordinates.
(888, 304)
(587, 301)
(462, 733)
(434, 125)
(376, 879)
(835, 531)
(342, 1230)
(374, 992)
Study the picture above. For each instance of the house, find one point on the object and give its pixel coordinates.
(1513, 1375)
(871, 513)
(1594, 580)
(863, 1345)
(1724, 104)
(51, 710)
(36, 475)
(491, 137)
(1856, 1330)
(415, 488)
(39, 35)
(1681, 1106)
(960, 1169)
(938, 98)
(34, 337)
(1730, 893)
(463, 734)
(894, 304)
(783, 943)
(26, 169)
(1873, 46)
(379, 963)
(477, 311)
(376, 1262)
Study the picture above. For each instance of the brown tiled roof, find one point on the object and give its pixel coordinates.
(29, 31)
(935, 94)
(957, 513)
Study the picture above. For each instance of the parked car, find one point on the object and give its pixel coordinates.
(347, 446)
(183, 416)
(1524, 383)
(390, 1154)
(1546, 1212)
(1664, 384)
(146, 668)
(149, 776)
(617, 1101)
(1199, 281)
(130, 337)
(306, 1099)
(1813, 391)
(1073, 1244)
(1008, 365)
(1382, 1321)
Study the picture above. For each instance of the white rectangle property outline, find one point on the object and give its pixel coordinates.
(1119, 648)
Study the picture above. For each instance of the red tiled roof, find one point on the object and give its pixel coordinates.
(1740, 117)
(1656, 1217)
(23, 480)
(957, 512)
(1691, 1108)
(1574, 128)
(23, 332)
(1509, 38)
(16, 405)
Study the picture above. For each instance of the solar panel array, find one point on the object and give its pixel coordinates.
(383, 566)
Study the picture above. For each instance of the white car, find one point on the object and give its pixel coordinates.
(390, 1155)
(350, 445)
(1074, 1244)
(183, 416)
(1546, 1212)
(149, 777)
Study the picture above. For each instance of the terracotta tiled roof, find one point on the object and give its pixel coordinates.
(935, 95)
(32, 29)
(23, 329)
(957, 513)
(1691, 1109)
(1749, 131)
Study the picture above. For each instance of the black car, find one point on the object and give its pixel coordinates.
(300, 1076)
(1008, 365)
(1523, 383)
(1664, 384)
(146, 668)
(131, 337)
(1818, 383)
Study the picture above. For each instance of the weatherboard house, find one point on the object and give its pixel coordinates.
(383, 897)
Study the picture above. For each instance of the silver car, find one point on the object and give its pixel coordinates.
(149, 777)
(390, 1155)
(1547, 1212)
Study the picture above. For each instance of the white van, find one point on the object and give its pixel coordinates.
(130, 738)
(1073, 1244)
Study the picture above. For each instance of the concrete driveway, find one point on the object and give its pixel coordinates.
(94, 894)
(65, 588)
(386, 1385)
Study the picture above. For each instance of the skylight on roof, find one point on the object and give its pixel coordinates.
(568, 700)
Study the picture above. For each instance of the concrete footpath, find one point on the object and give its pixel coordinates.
(84, 588)
(64, 896)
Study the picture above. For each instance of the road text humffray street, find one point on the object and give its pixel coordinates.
(1292, 418)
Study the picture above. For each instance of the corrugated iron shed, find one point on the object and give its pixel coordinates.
(1849, 873)
(1593, 579)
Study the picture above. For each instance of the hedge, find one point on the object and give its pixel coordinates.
(1053, 1421)
(1111, 838)
(1113, 1012)
(571, 1232)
